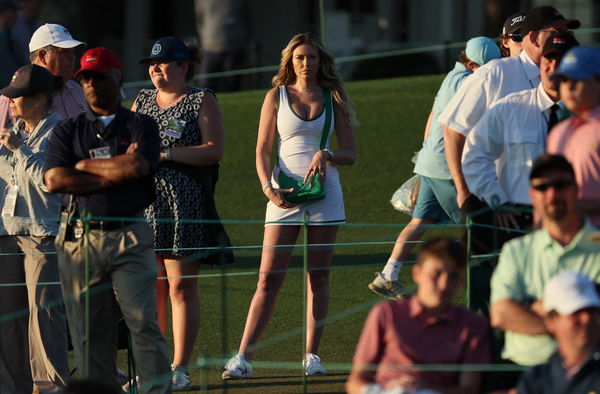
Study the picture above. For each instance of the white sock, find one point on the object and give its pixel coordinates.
(391, 269)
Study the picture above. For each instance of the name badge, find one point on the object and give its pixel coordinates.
(10, 200)
(175, 128)
(100, 153)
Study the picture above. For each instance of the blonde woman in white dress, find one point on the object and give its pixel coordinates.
(294, 112)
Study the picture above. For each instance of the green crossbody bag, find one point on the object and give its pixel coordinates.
(313, 189)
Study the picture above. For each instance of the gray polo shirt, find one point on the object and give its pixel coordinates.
(36, 211)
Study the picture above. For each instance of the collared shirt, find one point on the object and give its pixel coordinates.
(488, 84)
(432, 159)
(499, 153)
(578, 139)
(402, 333)
(525, 265)
(36, 211)
(67, 102)
(74, 139)
(552, 378)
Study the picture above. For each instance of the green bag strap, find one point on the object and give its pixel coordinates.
(328, 115)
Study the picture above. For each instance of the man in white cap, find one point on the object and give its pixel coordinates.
(572, 307)
(53, 48)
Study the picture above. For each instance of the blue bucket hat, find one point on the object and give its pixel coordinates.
(167, 49)
(481, 50)
(579, 63)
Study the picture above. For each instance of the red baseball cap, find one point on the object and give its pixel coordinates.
(99, 60)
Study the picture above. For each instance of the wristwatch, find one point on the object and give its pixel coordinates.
(168, 154)
(330, 154)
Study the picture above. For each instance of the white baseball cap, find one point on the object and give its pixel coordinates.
(569, 291)
(52, 34)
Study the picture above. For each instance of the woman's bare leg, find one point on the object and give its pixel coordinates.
(319, 257)
(185, 306)
(274, 260)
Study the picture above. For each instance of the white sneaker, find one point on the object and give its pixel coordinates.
(122, 377)
(180, 380)
(391, 289)
(237, 368)
(312, 365)
(127, 386)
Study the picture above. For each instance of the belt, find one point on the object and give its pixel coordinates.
(105, 225)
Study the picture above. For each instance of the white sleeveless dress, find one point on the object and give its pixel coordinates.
(298, 141)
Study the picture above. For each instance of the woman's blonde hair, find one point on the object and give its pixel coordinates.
(327, 75)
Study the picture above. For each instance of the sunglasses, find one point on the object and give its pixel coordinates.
(516, 37)
(98, 77)
(559, 184)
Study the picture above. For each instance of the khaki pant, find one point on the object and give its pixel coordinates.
(33, 329)
(122, 275)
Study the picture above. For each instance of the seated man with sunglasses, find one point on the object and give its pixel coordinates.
(527, 263)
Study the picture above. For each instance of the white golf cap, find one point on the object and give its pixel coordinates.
(568, 291)
(51, 34)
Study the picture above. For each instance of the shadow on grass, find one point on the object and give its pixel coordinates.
(273, 382)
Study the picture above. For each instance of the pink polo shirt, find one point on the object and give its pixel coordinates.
(578, 139)
(67, 102)
(402, 333)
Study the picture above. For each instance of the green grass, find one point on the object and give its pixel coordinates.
(393, 113)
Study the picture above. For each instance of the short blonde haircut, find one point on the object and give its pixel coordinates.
(327, 76)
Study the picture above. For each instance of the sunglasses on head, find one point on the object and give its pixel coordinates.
(558, 184)
(516, 37)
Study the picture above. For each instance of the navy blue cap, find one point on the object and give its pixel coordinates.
(167, 49)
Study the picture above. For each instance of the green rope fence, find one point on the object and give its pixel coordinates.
(203, 363)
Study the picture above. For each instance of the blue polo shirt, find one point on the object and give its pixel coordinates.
(73, 139)
(432, 159)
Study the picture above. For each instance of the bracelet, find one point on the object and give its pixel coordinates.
(330, 154)
(169, 154)
(266, 185)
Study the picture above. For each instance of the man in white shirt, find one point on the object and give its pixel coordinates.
(501, 148)
(494, 81)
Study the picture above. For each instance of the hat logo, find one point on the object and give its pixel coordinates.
(558, 40)
(15, 75)
(90, 59)
(570, 58)
(156, 49)
(517, 19)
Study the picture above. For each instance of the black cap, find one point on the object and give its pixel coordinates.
(547, 162)
(544, 17)
(559, 43)
(167, 49)
(29, 80)
(513, 23)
